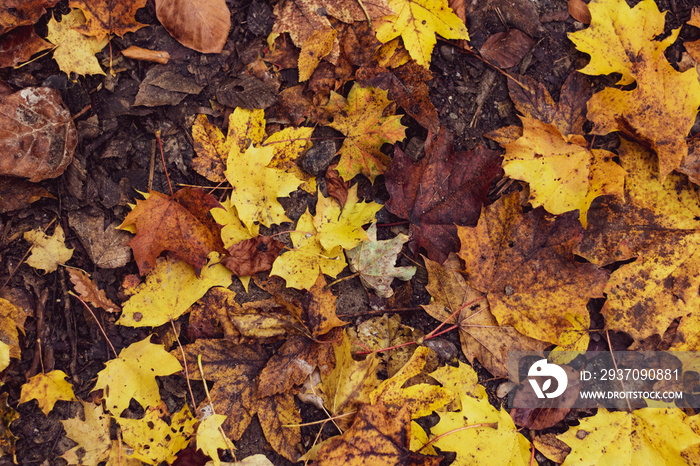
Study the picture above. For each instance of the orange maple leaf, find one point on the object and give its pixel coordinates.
(178, 223)
(105, 17)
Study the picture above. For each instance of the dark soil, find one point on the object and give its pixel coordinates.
(114, 158)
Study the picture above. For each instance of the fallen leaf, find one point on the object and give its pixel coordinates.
(578, 10)
(656, 223)
(378, 437)
(153, 439)
(133, 375)
(107, 246)
(91, 435)
(407, 86)
(644, 436)
(88, 290)
(11, 318)
(336, 229)
(480, 434)
(525, 264)
(41, 146)
(443, 189)
(417, 22)
(178, 224)
(348, 385)
(16, 13)
(374, 261)
(534, 101)
(234, 369)
(211, 438)
(461, 380)
(318, 45)
(18, 194)
(105, 17)
(4, 356)
(170, 289)
(202, 25)
(253, 255)
(233, 231)
(507, 48)
(48, 252)
(256, 187)
(481, 336)
(659, 112)
(562, 172)
(18, 46)
(47, 389)
(289, 145)
(163, 86)
(302, 19)
(211, 148)
(74, 52)
(618, 35)
(420, 399)
(361, 118)
(319, 309)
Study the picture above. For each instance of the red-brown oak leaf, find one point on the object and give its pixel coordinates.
(179, 223)
(444, 189)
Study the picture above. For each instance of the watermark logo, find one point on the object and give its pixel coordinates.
(543, 368)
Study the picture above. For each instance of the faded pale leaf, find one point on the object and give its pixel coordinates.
(48, 252)
(91, 434)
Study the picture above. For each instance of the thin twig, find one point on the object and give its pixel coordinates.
(162, 157)
(184, 360)
(70, 292)
(493, 425)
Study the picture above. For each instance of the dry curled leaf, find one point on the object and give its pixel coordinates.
(202, 25)
(507, 48)
(88, 290)
(37, 134)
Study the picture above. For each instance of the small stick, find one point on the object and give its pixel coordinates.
(70, 292)
(39, 314)
(493, 425)
(187, 373)
(162, 157)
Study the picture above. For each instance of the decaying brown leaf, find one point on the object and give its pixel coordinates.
(377, 437)
(202, 25)
(105, 17)
(16, 193)
(525, 264)
(481, 336)
(507, 48)
(252, 255)
(19, 45)
(37, 134)
(15, 13)
(106, 245)
(446, 188)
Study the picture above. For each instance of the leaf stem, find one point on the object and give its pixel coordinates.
(162, 157)
(493, 425)
(70, 292)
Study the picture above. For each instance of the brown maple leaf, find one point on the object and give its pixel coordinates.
(179, 223)
(103, 17)
(377, 438)
(446, 188)
(15, 13)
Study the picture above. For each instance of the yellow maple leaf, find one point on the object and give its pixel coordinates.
(659, 112)
(417, 22)
(656, 223)
(47, 389)
(169, 291)
(211, 438)
(421, 399)
(563, 174)
(349, 383)
(289, 145)
(319, 241)
(153, 439)
(91, 434)
(74, 53)
(256, 187)
(644, 436)
(361, 119)
(133, 375)
(336, 227)
(618, 34)
(48, 251)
